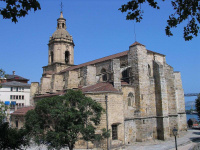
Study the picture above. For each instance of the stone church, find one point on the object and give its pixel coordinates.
(142, 94)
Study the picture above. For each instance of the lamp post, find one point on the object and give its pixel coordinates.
(175, 131)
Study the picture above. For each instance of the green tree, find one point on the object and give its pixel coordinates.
(197, 105)
(62, 120)
(10, 138)
(3, 110)
(184, 10)
(2, 75)
(15, 9)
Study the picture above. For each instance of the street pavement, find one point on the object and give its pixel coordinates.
(185, 141)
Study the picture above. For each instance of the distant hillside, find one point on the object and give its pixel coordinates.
(189, 105)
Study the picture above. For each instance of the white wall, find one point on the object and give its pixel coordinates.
(5, 93)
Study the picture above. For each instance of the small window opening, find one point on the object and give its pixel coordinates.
(63, 25)
(125, 75)
(149, 70)
(51, 57)
(114, 132)
(67, 56)
(131, 99)
(16, 123)
(104, 75)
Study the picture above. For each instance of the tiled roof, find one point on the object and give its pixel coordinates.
(136, 43)
(15, 83)
(99, 87)
(50, 95)
(124, 83)
(15, 77)
(22, 111)
(97, 61)
(124, 53)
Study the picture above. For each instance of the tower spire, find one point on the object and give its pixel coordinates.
(61, 7)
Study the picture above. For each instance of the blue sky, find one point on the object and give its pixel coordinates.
(98, 29)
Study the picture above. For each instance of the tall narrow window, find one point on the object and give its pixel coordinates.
(131, 101)
(16, 123)
(51, 57)
(66, 56)
(11, 88)
(149, 70)
(125, 75)
(104, 74)
(114, 132)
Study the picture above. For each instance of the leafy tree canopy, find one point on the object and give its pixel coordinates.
(61, 120)
(3, 110)
(2, 73)
(184, 10)
(15, 9)
(10, 138)
(197, 105)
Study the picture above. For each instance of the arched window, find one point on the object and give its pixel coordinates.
(67, 56)
(131, 101)
(149, 70)
(51, 56)
(104, 75)
(125, 75)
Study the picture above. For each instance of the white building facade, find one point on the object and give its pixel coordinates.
(15, 91)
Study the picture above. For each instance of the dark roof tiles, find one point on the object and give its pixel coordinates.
(22, 111)
(15, 84)
(99, 87)
(15, 77)
(97, 61)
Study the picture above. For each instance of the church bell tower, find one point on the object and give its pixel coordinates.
(61, 45)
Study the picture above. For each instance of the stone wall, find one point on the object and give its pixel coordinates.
(57, 83)
(114, 113)
(171, 90)
(180, 93)
(33, 90)
(71, 81)
(139, 71)
(91, 75)
(19, 119)
(45, 85)
(116, 73)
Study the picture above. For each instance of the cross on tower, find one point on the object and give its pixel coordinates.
(61, 5)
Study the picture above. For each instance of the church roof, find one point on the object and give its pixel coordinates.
(97, 61)
(99, 87)
(60, 33)
(22, 111)
(121, 54)
(136, 43)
